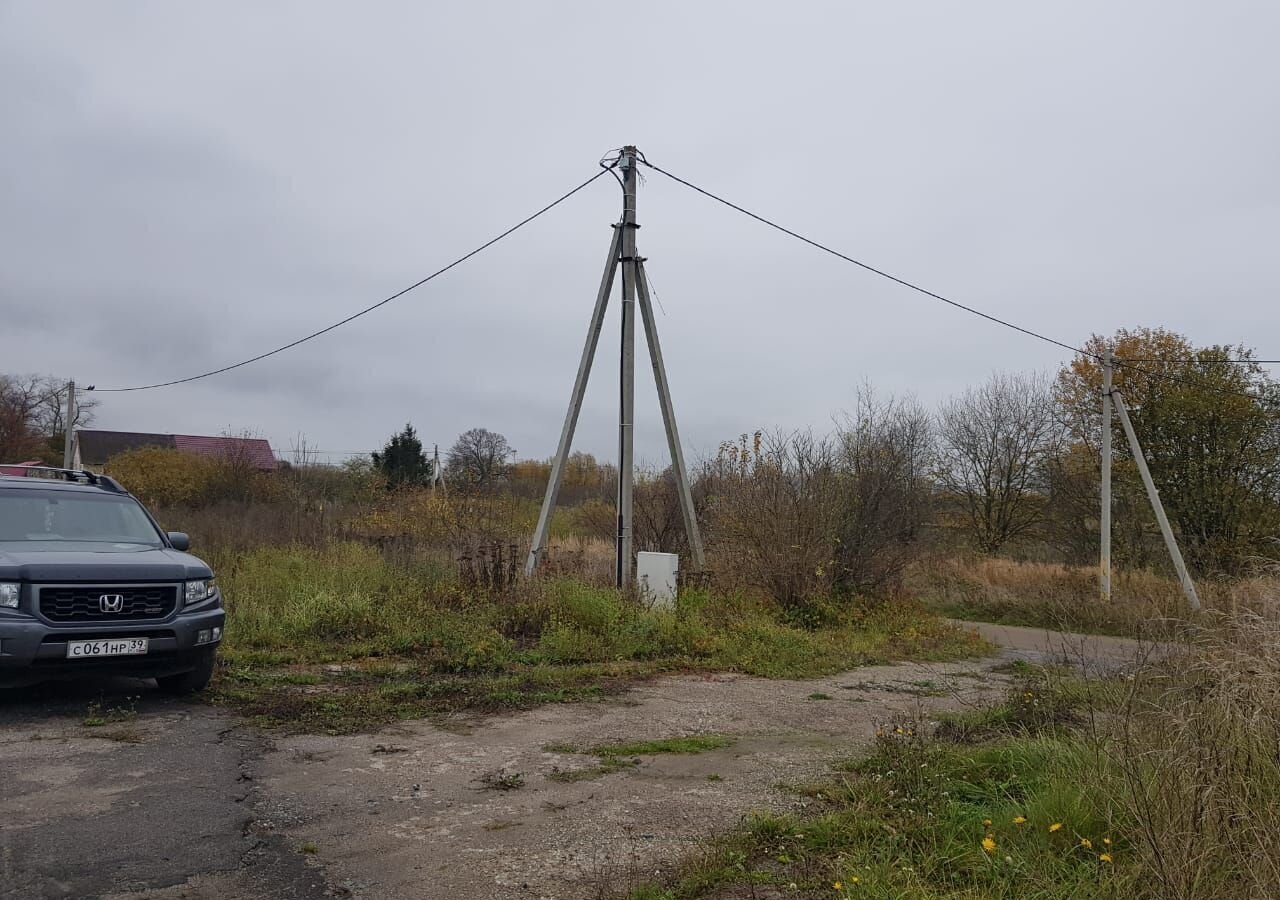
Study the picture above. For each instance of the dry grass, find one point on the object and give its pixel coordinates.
(1196, 750)
(1065, 597)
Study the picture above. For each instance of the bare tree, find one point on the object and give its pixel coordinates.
(479, 457)
(886, 448)
(994, 444)
(809, 518)
(33, 414)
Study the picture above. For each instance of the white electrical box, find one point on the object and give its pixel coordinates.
(657, 575)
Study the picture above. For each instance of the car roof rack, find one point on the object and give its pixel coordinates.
(75, 475)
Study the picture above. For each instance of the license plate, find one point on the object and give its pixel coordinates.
(111, 647)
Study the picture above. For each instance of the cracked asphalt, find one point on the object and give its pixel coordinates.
(155, 801)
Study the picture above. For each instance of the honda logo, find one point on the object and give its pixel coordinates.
(111, 603)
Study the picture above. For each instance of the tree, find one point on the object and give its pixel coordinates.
(33, 413)
(479, 457)
(402, 461)
(1207, 420)
(994, 444)
(808, 518)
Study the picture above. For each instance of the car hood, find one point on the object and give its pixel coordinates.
(81, 562)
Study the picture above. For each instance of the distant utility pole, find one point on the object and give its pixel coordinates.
(437, 473)
(1105, 518)
(68, 430)
(1170, 542)
(622, 253)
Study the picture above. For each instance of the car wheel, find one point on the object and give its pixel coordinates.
(190, 682)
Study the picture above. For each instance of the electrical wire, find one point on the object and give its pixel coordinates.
(870, 268)
(368, 309)
(928, 293)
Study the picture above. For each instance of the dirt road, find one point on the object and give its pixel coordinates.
(174, 800)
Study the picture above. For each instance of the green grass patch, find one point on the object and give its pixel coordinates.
(342, 638)
(698, 743)
(618, 757)
(1016, 816)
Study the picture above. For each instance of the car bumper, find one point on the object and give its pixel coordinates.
(32, 651)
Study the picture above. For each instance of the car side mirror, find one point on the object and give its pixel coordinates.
(179, 540)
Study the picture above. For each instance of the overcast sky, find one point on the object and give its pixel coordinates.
(183, 185)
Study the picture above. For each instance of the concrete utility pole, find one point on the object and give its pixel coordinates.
(622, 253)
(68, 430)
(437, 473)
(1104, 522)
(542, 530)
(627, 379)
(669, 422)
(1188, 587)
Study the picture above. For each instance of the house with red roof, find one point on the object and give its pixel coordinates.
(94, 447)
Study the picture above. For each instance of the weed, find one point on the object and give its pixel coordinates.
(502, 781)
(818, 695)
(98, 715)
(309, 848)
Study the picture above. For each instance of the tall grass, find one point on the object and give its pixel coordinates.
(1195, 751)
(1065, 597)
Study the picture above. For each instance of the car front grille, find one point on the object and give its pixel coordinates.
(76, 604)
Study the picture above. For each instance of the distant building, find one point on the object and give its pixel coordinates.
(94, 448)
(17, 468)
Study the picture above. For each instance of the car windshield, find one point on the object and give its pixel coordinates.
(74, 516)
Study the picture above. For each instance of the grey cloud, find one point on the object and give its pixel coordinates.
(185, 185)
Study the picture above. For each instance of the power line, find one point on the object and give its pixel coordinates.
(928, 293)
(868, 267)
(368, 309)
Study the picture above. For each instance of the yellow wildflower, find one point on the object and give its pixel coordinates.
(1019, 820)
(837, 885)
(854, 880)
(989, 844)
(986, 822)
(1107, 841)
(1086, 843)
(1105, 857)
(1056, 826)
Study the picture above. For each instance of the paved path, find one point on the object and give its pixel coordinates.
(175, 800)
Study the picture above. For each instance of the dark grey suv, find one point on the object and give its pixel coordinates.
(90, 587)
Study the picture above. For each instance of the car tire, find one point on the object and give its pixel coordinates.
(190, 682)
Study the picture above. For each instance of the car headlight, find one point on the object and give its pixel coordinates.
(9, 593)
(199, 592)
